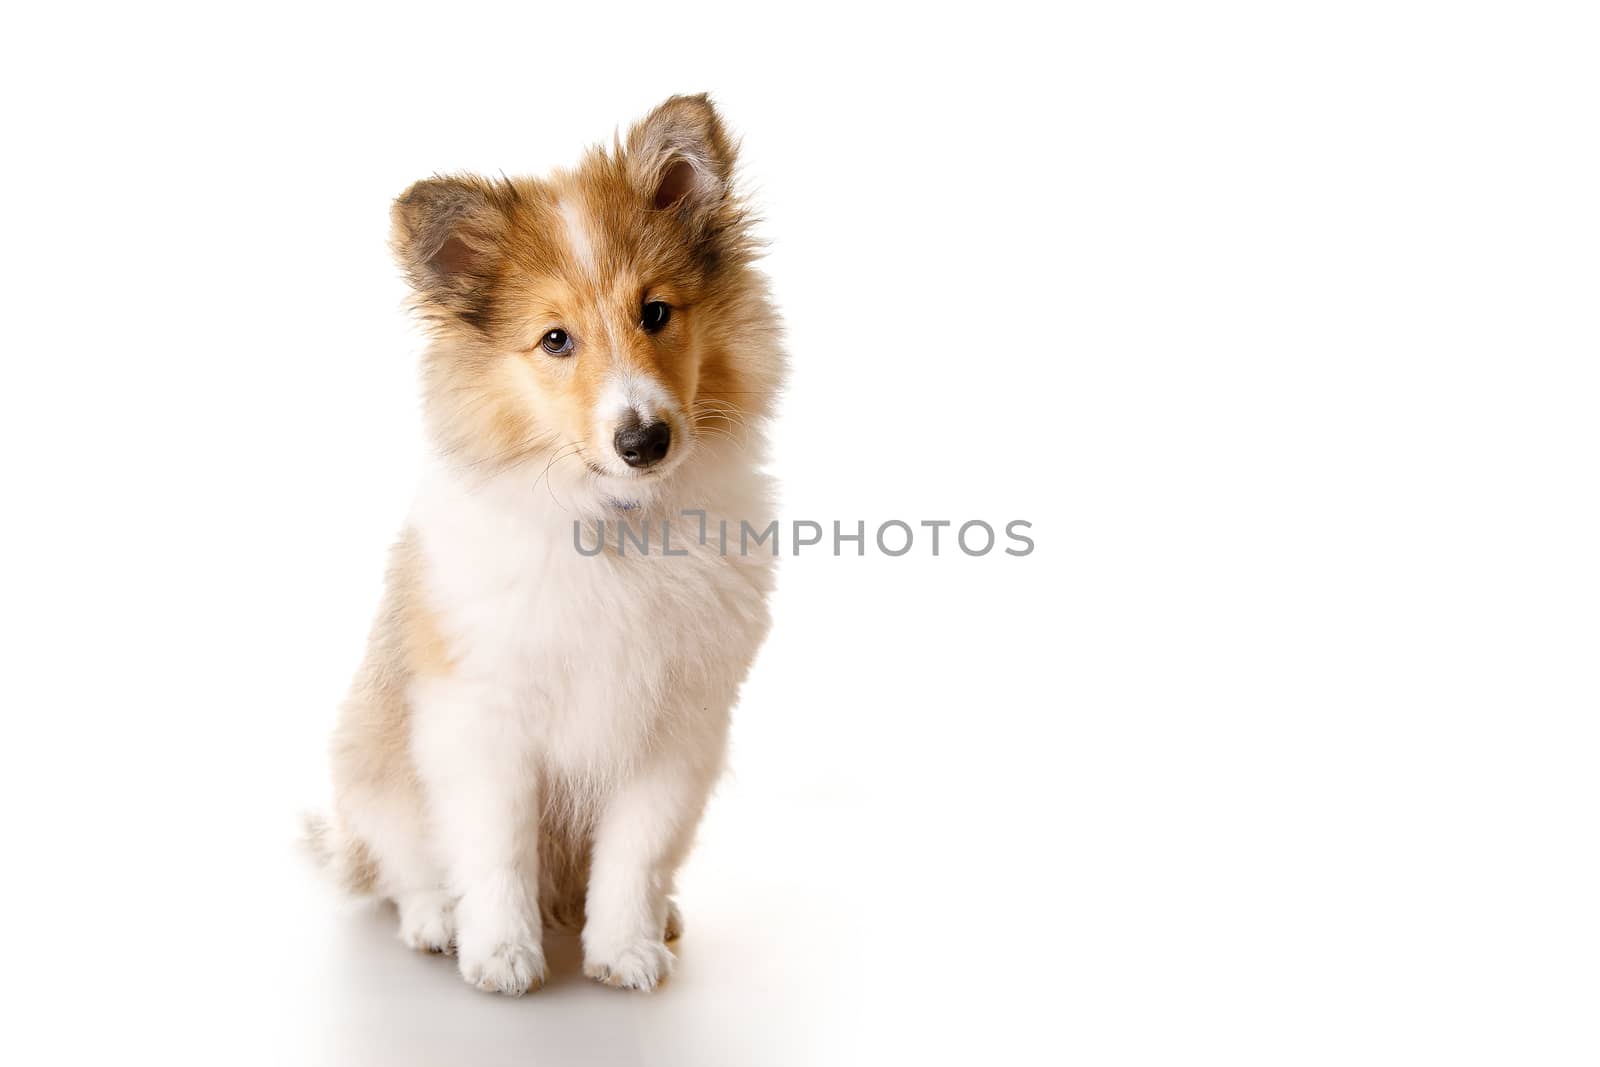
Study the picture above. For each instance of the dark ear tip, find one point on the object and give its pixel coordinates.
(412, 203)
(442, 230)
(683, 126)
(430, 191)
(698, 100)
(694, 109)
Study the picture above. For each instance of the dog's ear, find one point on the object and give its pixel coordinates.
(446, 235)
(681, 159)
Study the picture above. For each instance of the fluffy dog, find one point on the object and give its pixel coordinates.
(534, 731)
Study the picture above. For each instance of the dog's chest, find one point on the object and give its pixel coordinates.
(589, 651)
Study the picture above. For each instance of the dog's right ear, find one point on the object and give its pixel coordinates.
(446, 235)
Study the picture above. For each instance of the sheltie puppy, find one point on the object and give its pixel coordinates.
(534, 731)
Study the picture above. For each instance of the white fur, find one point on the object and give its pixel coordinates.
(628, 389)
(606, 679)
(580, 241)
(524, 702)
(578, 238)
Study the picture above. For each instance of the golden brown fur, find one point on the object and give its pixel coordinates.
(492, 272)
(495, 265)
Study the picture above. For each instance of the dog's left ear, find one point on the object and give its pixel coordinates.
(681, 159)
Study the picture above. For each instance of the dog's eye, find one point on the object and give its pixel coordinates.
(654, 316)
(557, 343)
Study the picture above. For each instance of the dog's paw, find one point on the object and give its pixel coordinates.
(674, 927)
(428, 922)
(511, 967)
(640, 965)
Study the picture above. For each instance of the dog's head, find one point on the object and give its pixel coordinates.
(592, 321)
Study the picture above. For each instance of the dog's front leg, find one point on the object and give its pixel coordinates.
(643, 832)
(482, 795)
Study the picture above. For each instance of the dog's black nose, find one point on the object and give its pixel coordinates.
(641, 446)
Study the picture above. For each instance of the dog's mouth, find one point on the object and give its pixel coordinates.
(623, 490)
(624, 476)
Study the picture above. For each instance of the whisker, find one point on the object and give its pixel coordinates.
(515, 453)
(564, 452)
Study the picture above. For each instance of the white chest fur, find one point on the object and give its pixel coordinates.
(588, 661)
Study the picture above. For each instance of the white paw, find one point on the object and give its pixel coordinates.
(511, 967)
(428, 922)
(640, 965)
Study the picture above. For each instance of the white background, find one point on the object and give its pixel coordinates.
(1277, 321)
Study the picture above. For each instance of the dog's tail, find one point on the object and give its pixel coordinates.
(338, 854)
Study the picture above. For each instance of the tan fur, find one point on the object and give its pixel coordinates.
(346, 856)
(497, 408)
(370, 747)
(493, 275)
(509, 277)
